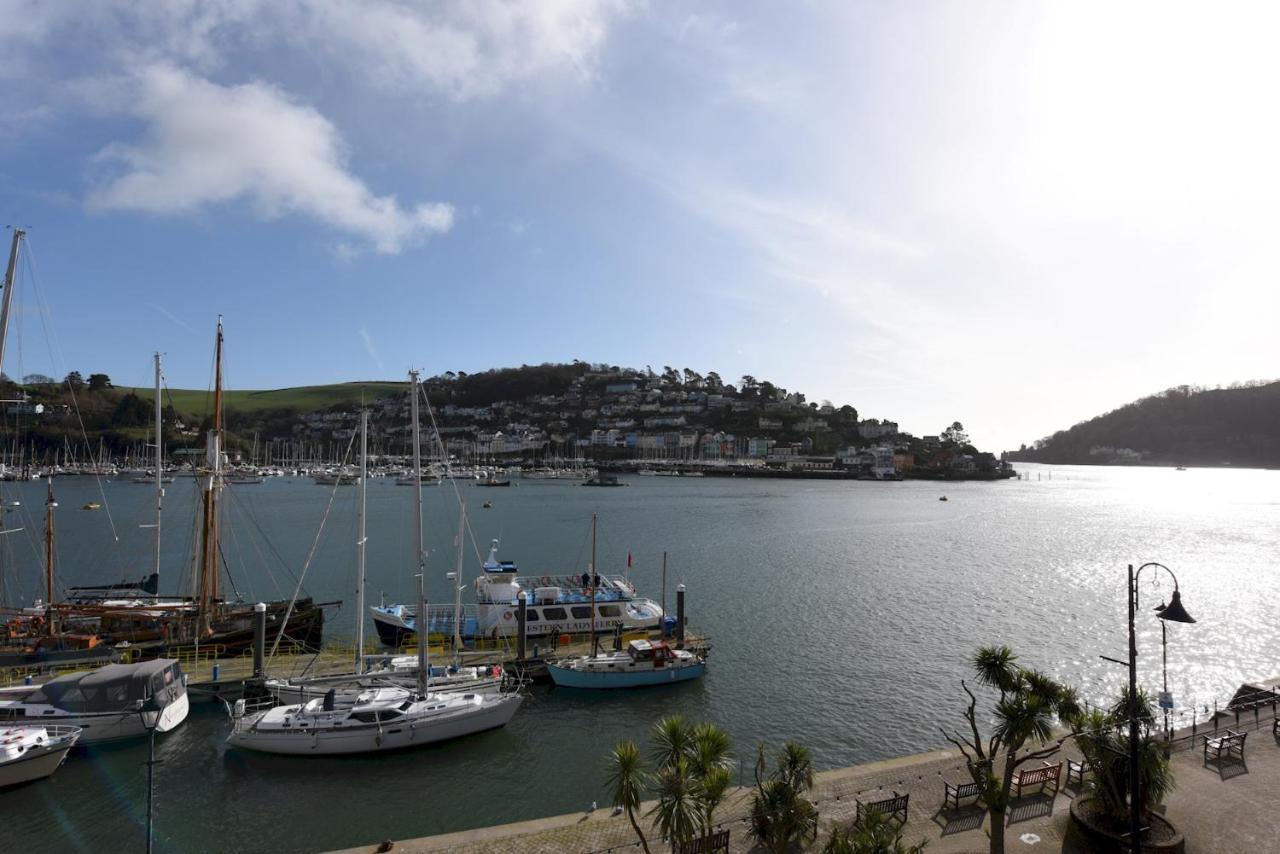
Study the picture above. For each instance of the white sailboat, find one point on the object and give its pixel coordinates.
(379, 719)
(33, 752)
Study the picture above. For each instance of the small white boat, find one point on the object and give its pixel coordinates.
(104, 703)
(642, 663)
(373, 721)
(33, 752)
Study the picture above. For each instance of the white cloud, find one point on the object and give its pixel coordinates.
(208, 144)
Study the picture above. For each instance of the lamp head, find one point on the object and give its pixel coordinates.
(150, 713)
(1174, 612)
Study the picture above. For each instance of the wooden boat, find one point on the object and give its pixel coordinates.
(642, 663)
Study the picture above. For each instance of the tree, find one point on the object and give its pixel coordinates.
(38, 379)
(955, 434)
(748, 385)
(627, 782)
(74, 381)
(1103, 738)
(874, 833)
(714, 383)
(1024, 713)
(780, 813)
(99, 382)
(690, 780)
(692, 378)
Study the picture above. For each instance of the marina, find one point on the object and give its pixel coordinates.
(813, 562)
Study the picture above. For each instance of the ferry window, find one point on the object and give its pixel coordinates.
(531, 616)
(581, 612)
(610, 611)
(554, 614)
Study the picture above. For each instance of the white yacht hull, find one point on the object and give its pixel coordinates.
(100, 727)
(373, 738)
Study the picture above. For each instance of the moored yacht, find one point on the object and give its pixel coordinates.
(105, 702)
(33, 752)
(642, 663)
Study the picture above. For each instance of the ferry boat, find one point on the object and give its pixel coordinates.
(642, 663)
(556, 605)
(104, 703)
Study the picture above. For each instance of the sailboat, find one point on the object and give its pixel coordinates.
(378, 719)
(397, 670)
(643, 662)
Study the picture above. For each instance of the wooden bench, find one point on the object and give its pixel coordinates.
(1229, 746)
(952, 794)
(716, 842)
(1037, 777)
(1076, 771)
(894, 807)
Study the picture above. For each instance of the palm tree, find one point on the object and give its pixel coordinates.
(780, 813)
(672, 739)
(1104, 741)
(874, 833)
(677, 813)
(626, 783)
(1028, 706)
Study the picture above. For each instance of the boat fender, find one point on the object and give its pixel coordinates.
(238, 709)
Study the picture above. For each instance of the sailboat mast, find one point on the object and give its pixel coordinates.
(594, 576)
(420, 622)
(159, 466)
(457, 584)
(360, 538)
(209, 527)
(48, 557)
(18, 234)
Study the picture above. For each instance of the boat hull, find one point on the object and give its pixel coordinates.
(106, 727)
(36, 764)
(372, 738)
(568, 677)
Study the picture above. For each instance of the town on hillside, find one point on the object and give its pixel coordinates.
(530, 417)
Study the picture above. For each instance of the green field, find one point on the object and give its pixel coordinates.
(196, 403)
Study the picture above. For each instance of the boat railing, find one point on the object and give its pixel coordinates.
(194, 654)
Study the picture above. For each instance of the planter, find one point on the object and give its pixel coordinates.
(1101, 836)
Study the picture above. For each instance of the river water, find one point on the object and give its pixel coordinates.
(842, 616)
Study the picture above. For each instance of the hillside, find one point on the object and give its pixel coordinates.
(196, 403)
(1237, 426)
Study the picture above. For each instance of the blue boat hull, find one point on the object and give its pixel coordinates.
(568, 678)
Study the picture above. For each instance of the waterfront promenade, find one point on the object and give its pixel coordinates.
(1219, 809)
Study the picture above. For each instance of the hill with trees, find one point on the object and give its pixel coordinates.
(1186, 425)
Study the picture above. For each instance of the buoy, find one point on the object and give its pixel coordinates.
(942, 498)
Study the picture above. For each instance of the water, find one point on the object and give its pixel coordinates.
(842, 616)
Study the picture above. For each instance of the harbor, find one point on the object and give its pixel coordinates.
(789, 588)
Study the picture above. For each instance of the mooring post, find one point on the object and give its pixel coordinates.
(259, 639)
(680, 616)
(522, 607)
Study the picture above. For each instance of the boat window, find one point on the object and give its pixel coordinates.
(531, 616)
(581, 612)
(392, 714)
(610, 611)
(365, 717)
(554, 614)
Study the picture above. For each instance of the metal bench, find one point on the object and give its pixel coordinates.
(1040, 777)
(1229, 746)
(1076, 771)
(952, 794)
(894, 807)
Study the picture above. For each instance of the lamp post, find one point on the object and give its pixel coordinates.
(1175, 612)
(150, 716)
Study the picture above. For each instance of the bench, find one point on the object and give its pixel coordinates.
(1076, 771)
(952, 794)
(894, 807)
(716, 842)
(1037, 777)
(1230, 746)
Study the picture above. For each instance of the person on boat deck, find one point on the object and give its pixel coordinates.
(587, 580)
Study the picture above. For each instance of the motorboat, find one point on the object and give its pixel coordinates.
(33, 751)
(642, 663)
(104, 703)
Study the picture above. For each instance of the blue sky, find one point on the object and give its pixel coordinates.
(1014, 215)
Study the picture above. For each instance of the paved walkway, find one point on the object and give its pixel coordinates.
(1224, 809)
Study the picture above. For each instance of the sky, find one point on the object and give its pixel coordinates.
(1013, 215)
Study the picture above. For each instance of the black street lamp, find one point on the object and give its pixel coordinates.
(149, 713)
(1171, 612)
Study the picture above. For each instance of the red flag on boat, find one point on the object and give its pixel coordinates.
(628, 560)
